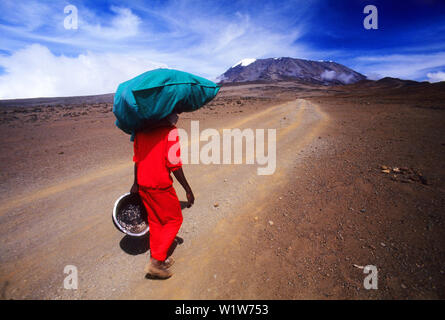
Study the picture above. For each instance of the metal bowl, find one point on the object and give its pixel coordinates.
(129, 215)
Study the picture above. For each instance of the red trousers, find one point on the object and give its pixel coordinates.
(164, 218)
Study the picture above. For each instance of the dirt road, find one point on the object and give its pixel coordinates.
(66, 220)
(304, 232)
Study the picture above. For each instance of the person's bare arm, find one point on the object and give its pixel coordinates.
(179, 175)
(135, 186)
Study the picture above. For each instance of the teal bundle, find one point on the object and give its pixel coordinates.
(154, 94)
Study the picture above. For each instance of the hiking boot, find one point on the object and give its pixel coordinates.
(169, 262)
(157, 270)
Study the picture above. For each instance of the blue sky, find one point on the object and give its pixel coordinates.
(116, 40)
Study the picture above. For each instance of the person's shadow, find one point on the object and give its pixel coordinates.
(140, 245)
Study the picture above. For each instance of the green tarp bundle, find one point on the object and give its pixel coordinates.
(154, 94)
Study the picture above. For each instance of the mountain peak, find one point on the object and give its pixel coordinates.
(244, 62)
(286, 68)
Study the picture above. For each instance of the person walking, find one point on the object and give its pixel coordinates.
(157, 155)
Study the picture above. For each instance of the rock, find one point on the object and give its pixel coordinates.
(271, 222)
(382, 244)
(216, 204)
(363, 210)
(61, 152)
(256, 218)
(424, 180)
(403, 286)
(397, 170)
(384, 167)
(386, 171)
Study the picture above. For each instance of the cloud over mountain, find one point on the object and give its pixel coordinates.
(275, 69)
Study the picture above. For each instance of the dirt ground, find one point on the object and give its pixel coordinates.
(359, 181)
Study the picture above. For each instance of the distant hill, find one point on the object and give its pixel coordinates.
(32, 102)
(280, 69)
(396, 82)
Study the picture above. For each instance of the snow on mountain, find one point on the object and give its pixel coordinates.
(285, 68)
(244, 62)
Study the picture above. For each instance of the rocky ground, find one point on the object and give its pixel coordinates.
(370, 191)
(359, 181)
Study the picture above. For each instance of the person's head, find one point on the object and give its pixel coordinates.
(180, 107)
(172, 118)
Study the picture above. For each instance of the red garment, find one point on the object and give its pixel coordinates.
(154, 165)
(151, 154)
(164, 219)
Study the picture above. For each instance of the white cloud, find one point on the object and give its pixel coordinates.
(123, 25)
(345, 78)
(112, 46)
(403, 66)
(208, 35)
(374, 76)
(116, 49)
(27, 13)
(328, 75)
(331, 74)
(436, 76)
(36, 72)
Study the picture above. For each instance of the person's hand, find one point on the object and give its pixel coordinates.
(134, 188)
(190, 198)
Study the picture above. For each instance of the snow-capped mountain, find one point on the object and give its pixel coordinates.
(276, 69)
(244, 62)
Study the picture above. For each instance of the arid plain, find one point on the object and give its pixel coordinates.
(360, 180)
